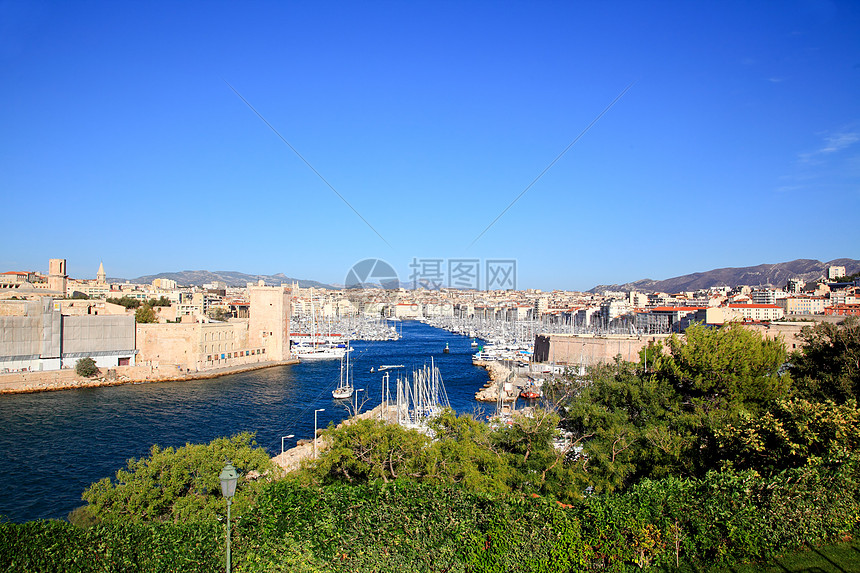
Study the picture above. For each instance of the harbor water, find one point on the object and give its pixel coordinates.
(55, 444)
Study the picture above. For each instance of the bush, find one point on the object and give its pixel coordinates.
(86, 367)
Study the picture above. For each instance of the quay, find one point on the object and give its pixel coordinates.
(67, 379)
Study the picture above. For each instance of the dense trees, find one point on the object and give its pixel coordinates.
(827, 367)
(126, 301)
(177, 484)
(633, 422)
(459, 449)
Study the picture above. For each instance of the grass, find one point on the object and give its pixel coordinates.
(835, 558)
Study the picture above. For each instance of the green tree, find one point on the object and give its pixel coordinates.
(179, 484)
(626, 424)
(464, 452)
(827, 366)
(86, 367)
(537, 465)
(145, 314)
(126, 301)
(726, 369)
(368, 450)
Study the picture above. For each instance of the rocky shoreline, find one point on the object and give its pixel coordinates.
(501, 377)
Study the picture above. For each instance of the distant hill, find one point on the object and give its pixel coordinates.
(231, 278)
(776, 275)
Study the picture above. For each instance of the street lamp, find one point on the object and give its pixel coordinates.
(357, 390)
(229, 476)
(285, 438)
(315, 430)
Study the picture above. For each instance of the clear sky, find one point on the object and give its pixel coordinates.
(121, 141)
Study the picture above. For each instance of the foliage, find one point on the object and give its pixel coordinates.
(537, 466)
(405, 526)
(58, 546)
(827, 367)
(792, 433)
(126, 301)
(464, 452)
(145, 314)
(515, 457)
(660, 417)
(86, 367)
(627, 427)
(179, 485)
(368, 450)
(725, 517)
(724, 370)
(78, 295)
(161, 301)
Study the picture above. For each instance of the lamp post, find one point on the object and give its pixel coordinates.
(229, 476)
(285, 438)
(315, 430)
(357, 390)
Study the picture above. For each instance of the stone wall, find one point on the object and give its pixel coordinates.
(576, 349)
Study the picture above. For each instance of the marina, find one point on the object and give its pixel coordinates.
(96, 430)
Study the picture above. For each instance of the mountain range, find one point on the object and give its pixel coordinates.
(808, 270)
(231, 278)
(776, 275)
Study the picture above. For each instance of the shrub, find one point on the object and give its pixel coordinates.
(86, 367)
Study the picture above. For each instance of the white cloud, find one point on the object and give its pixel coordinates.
(832, 144)
(839, 141)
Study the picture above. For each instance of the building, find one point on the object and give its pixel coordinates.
(763, 296)
(57, 276)
(835, 273)
(193, 346)
(758, 312)
(803, 304)
(35, 335)
(269, 323)
(843, 310)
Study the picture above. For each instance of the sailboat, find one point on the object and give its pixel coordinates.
(316, 351)
(344, 389)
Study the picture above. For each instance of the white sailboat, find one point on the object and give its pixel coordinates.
(345, 388)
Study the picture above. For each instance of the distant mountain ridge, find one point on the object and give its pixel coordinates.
(777, 275)
(231, 278)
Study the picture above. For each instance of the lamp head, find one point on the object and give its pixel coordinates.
(229, 477)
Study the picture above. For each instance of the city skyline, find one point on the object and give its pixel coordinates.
(417, 125)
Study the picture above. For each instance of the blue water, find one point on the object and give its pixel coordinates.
(53, 445)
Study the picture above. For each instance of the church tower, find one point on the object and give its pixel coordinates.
(101, 277)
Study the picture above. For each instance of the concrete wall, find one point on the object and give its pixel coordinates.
(107, 339)
(30, 335)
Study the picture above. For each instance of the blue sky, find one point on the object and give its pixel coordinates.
(737, 144)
